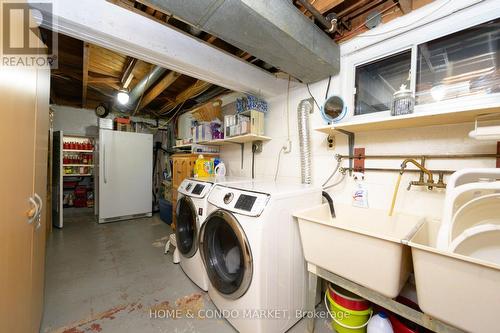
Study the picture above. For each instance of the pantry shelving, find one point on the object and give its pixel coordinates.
(73, 173)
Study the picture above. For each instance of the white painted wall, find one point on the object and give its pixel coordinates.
(77, 121)
(446, 139)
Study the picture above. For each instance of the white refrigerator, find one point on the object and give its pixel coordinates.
(125, 175)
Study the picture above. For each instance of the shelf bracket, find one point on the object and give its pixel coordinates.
(351, 141)
(242, 146)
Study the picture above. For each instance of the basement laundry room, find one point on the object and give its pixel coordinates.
(250, 166)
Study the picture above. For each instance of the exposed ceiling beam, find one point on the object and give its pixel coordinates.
(325, 5)
(104, 79)
(127, 74)
(159, 88)
(123, 31)
(193, 90)
(405, 5)
(85, 77)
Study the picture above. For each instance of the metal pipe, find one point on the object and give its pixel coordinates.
(442, 156)
(330, 26)
(343, 170)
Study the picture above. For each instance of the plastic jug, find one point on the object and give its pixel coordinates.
(203, 167)
(380, 323)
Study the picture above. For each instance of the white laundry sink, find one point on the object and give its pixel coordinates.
(457, 289)
(362, 245)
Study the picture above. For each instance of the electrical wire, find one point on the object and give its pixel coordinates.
(314, 99)
(328, 87)
(278, 164)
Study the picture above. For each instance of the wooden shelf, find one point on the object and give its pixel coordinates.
(186, 145)
(78, 175)
(419, 119)
(77, 165)
(238, 139)
(77, 151)
(234, 139)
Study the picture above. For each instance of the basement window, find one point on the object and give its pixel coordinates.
(461, 64)
(377, 81)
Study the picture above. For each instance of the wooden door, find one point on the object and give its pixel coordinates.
(18, 98)
(40, 187)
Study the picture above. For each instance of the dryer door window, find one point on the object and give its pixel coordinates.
(226, 254)
(186, 231)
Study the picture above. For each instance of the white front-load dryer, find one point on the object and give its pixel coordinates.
(191, 210)
(252, 252)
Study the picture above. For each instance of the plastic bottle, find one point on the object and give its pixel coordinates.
(198, 166)
(380, 323)
(360, 193)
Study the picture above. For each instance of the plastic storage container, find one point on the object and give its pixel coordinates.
(362, 245)
(166, 211)
(459, 290)
(346, 319)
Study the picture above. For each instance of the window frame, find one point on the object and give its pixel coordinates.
(360, 53)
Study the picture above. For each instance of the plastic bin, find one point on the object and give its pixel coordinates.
(362, 245)
(458, 290)
(166, 211)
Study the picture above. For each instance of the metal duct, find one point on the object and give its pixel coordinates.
(141, 87)
(303, 110)
(274, 31)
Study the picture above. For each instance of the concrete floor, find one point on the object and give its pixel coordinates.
(108, 277)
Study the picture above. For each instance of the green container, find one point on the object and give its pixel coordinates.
(348, 321)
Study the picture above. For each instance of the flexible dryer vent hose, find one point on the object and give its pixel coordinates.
(303, 110)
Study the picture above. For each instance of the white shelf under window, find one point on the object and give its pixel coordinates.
(424, 116)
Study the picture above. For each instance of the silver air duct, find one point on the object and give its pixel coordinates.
(274, 31)
(303, 110)
(140, 88)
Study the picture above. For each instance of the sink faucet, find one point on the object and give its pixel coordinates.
(421, 182)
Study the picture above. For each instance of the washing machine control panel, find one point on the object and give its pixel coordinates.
(238, 201)
(194, 188)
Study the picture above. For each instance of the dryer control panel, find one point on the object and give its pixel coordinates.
(238, 201)
(194, 188)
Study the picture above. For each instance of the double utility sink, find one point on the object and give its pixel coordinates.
(379, 252)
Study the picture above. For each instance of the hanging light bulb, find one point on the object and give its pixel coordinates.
(123, 97)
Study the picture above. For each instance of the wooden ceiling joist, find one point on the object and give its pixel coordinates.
(325, 5)
(128, 75)
(85, 78)
(161, 86)
(193, 90)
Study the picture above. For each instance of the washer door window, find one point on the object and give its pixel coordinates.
(226, 254)
(186, 231)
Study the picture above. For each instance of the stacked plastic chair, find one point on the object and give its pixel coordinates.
(471, 216)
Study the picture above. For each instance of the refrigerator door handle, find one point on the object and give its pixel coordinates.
(104, 163)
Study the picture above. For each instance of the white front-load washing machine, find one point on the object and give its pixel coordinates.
(191, 210)
(252, 252)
